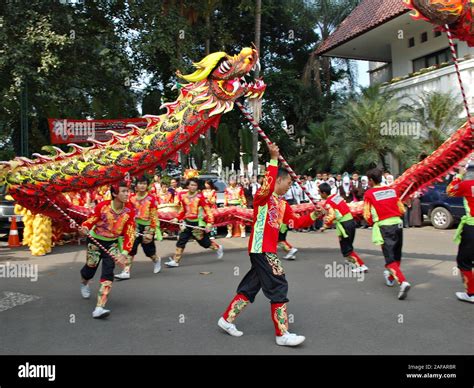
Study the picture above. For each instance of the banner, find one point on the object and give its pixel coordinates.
(64, 131)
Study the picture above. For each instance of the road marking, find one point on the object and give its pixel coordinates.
(13, 299)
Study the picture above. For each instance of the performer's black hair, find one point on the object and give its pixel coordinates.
(325, 188)
(282, 173)
(211, 184)
(195, 180)
(115, 188)
(375, 174)
(143, 178)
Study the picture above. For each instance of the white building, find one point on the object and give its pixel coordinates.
(405, 55)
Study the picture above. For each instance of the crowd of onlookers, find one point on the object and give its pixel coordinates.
(351, 187)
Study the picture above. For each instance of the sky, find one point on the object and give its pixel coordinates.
(363, 76)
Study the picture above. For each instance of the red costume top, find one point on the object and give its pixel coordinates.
(211, 197)
(145, 209)
(336, 209)
(460, 188)
(234, 196)
(269, 212)
(190, 207)
(380, 203)
(108, 224)
(164, 198)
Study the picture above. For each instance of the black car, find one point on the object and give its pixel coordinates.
(7, 212)
(443, 211)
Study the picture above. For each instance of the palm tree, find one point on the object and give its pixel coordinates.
(318, 150)
(439, 116)
(360, 140)
(330, 14)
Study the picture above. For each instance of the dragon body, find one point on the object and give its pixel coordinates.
(218, 81)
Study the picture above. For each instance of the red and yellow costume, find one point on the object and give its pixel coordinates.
(108, 224)
(234, 196)
(211, 197)
(266, 273)
(109, 227)
(195, 211)
(146, 220)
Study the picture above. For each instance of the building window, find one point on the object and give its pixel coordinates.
(437, 33)
(433, 59)
(424, 37)
(411, 42)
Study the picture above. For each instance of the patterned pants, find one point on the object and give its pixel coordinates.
(95, 255)
(267, 274)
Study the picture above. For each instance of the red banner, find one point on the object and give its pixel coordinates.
(65, 131)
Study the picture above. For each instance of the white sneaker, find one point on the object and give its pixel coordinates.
(100, 312)
(291, 254)
(229, 328)
(172, 263)
(404, 288)
(157, 265)
(464, 297)
(85, 291)
(362, 268)
(388, 282)
(122, 275)
(243, 235)
(220, 252)
(290, 339)
(229, 235)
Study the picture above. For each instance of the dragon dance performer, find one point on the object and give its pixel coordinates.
(338, 211)
(164, 196)
(210, 194)
(234, 196)
(146, 222)
(111, 220)
(383, 209)
(266, 272)
(175, 189)
(192, 201)
(465, 233)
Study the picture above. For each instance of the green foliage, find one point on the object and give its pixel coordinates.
(438, 113)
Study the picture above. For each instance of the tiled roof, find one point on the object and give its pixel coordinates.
(366, 16)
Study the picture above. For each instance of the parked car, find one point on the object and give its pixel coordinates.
(443, 211)
(220, 187)
(7, 206)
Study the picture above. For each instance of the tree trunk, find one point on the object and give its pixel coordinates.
(258, 19)
(208, 140)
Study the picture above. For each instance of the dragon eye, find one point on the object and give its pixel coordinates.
(249, 59)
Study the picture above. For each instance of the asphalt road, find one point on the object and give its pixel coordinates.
(176, 311)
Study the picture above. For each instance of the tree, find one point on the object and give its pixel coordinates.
(439, 116)
(318, 151)
(72, 59)
(330, 13)
(360, 142)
